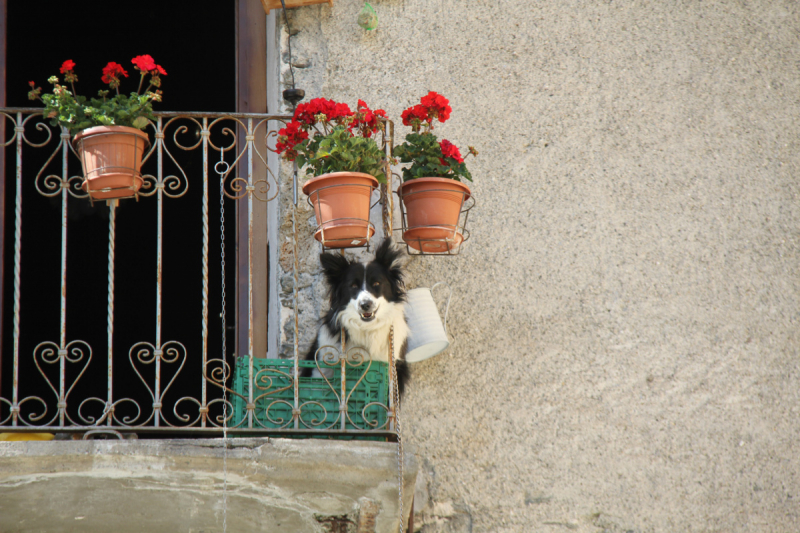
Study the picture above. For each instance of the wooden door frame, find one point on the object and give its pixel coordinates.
(3, 49)
(251, 97)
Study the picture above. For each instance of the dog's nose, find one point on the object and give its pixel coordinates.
(365, 305)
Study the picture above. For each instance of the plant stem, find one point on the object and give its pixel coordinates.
(141, 80)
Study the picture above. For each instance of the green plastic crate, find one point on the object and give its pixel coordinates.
(274, 411)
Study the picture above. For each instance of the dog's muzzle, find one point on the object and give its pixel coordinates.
(367, 310)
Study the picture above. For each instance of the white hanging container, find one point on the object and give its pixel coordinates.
(428, 336)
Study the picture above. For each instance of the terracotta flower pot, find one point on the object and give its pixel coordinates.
(112, 159)
(341, 202)
(433, 207)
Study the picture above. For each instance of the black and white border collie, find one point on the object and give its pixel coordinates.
(366, 300)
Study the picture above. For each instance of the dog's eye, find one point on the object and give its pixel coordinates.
(376, 283)
(354, 285)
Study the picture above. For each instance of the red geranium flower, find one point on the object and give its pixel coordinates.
(161, 70)
(450, 150)
(288, 138)
(306, 113)
(438, 106)
(67, 66)
(144, 63)
(366, 120)
(112, 73)
(418, 112)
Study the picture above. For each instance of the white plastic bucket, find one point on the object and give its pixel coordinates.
(427, 337)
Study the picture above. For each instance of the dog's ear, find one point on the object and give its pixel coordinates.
(388, 255)
(392, 259)
(334, 267)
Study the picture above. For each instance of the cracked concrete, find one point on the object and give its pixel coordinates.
(177, 485)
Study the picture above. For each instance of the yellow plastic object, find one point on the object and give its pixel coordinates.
(26, 436)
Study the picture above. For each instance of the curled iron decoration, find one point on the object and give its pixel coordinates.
(40, 126)
(53, 183)
(108, 412)
(240, 187)
(219, 377)
(51, 353)
(264, 186)
(269, 385)
(331, 357)
(32, 418)
(374, 423)
(172, 185)
(186, 417)
(4, 421)
(170, 352)
(16, 130)
(357, 358)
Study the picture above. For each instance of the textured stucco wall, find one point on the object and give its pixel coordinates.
(626, 316)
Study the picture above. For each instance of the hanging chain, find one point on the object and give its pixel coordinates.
(396, 401)
(222, 168)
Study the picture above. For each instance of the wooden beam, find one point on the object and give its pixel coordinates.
(251, 97)
(3, 53)
(276, 4)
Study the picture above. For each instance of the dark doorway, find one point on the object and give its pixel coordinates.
(196, 43)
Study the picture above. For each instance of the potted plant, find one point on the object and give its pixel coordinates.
(337, 146)
(432, 192)
(107, 130)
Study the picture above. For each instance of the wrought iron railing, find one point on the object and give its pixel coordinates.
(150, 381)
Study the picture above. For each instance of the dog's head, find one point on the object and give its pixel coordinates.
(368, 290)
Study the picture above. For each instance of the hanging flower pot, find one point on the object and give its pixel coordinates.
(107, 130)
(341, 202)
(111, 157)
(432, 208)
(432, 195)
(338, 149)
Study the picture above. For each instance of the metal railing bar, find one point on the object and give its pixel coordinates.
(250, 189)
(207, 430)
(159, 266)
(205, 134)
(112, 234)
(19, 130)
(170, 114)
(63, 317)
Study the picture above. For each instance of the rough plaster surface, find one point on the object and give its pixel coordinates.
(625, 352)
(169, 486)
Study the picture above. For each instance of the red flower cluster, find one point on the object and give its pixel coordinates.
(306, 113)
(366, 121)
(146, 63)
(417, 112)
(289, 137)
(431, 106)
(438, 106)
(67, 66)
(112, 73)
(450, 150)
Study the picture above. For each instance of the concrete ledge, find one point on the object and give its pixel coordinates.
(177, 485)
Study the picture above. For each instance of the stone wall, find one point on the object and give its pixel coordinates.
(625, 325)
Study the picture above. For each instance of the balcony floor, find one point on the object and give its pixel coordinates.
(176, 485)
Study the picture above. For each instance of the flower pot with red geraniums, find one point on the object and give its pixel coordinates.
(107, 130)
(337, 146)
(432, 195)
